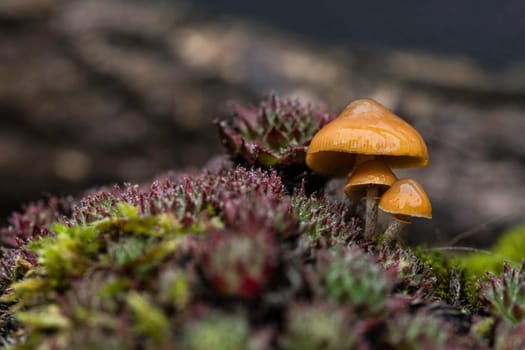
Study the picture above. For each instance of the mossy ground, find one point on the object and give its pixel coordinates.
(241, 259)
(508, 247)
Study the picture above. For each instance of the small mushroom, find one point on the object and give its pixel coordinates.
(404, 199)
(370, 180)
(365, 130)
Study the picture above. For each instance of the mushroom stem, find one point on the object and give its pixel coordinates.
(397, 224)
(372, 199)
(360, 159)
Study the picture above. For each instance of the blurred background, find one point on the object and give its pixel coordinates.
(97, 91)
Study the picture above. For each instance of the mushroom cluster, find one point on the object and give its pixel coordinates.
(366, 141)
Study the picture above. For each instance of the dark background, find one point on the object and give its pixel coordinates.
(489, 32)
(94, 92)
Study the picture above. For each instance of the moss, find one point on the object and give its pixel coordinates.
(479, 263)
(508, 247)
(73, 249)
(510, 244)
(105, 260)
(443, 267)
(48, 318)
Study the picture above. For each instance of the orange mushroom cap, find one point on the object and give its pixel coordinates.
(372, 172)
(365, 127)
(406, 197)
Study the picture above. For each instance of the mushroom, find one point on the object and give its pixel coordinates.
(370, 179)
(404, 199)
(365, 130)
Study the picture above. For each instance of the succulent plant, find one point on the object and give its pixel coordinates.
(186, 198)
(420, 331)
(275, 133)
(237, 259)
(262, 212)
(510, 337)
(229, 259)
(319, 326)
(123, 251)
(31, 223)
(354, 279)
(136, 278)
(411, 275)
(324, 222)
(506, 295)
(216, 331)
(240, 264)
